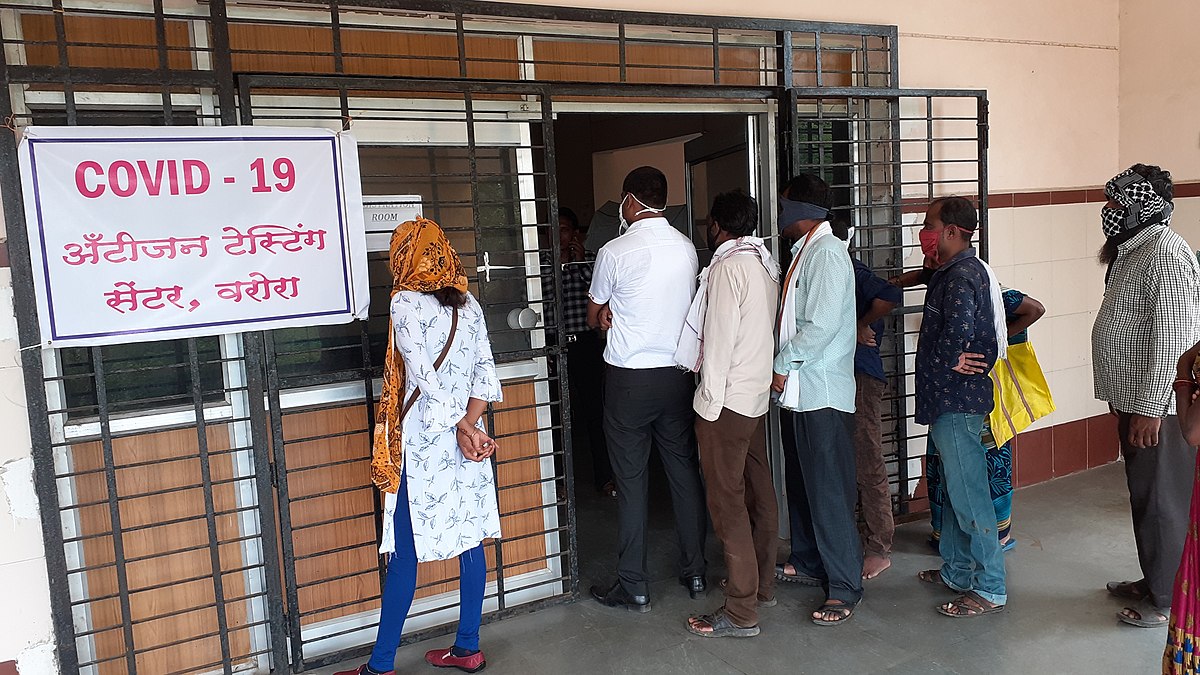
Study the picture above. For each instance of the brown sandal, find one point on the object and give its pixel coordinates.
(720, 625)
(968, 606)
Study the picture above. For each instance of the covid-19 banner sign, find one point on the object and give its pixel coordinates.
(140, 234)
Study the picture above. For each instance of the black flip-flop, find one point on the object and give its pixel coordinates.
(845, 610)
(802, 579)
(1126, 590)
(721, 626)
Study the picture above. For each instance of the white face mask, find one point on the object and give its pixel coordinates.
(621, 211)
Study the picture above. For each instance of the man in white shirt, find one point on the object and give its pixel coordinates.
(735, 309)
(814, 375)
(641, 291)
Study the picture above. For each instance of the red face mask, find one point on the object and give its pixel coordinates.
(929, 243)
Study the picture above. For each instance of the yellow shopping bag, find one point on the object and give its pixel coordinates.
(1022, 395)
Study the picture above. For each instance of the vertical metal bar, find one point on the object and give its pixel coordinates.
(114, 509)
(819, 62)
(64, 60)
(786, 123)
(164, 63)
(28, 334)
(982, 169)
(222, 61)
(460, 34)
(335, 25)
(278, 468)
(564, 388)
(893, 42)
(929, 148)
(899, 382)
(716, 36)
(214, 548)
(621, 60)
(866, 64)
(255, 391)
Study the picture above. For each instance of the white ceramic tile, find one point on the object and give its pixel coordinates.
(1068, 231)
(1072, 389)
(14, 415)
(27, 590)
(1031, 228)
(1070, 345)
(1037, 280)
(1074, 290)
(1000, 237)
(22, 536)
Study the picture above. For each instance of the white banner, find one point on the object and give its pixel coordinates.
(140, 234)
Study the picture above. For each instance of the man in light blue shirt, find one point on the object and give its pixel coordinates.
(814, 378)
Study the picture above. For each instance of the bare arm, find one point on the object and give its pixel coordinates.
(879, 308)
(1185, 396)
(599, 316)
(1028, 313)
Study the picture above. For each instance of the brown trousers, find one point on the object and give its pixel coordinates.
(741, 503)
(875, 499)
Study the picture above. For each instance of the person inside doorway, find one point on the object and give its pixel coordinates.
(814, 378)
(585, 348)
(641, 292)
(731, 326)
(957, 346)
(430, 448)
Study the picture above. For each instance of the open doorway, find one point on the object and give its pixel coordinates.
(702, 155)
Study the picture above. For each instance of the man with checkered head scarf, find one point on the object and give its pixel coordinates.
(1150, 315)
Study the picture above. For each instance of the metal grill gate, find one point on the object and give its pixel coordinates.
(204, 502)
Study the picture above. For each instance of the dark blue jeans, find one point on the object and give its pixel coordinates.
(401, 586)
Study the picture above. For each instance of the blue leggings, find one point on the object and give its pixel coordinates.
(401, 586)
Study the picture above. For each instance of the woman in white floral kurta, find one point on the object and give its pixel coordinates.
(452, 500)
(431, 460)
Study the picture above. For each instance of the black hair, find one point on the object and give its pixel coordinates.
(649, 185)
(1159, 179)
(735, 212)
(450, 297)
(806, 187)
(959, 212)
(841, 228)
(564, 212)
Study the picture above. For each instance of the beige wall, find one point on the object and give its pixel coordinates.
(1160, 85)
(610, 167)
(1049, 68)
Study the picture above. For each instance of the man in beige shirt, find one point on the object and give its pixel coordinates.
(735, 313)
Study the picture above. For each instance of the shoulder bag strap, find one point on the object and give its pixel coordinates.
(412, 400)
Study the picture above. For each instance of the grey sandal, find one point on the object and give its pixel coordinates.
(721, 626)
(1144, 609)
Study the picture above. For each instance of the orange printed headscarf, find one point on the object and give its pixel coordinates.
(421, 260)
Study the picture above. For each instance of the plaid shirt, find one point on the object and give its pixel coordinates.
(576, 280)
(1150, 316)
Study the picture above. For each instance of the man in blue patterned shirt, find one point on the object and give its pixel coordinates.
(954, 395)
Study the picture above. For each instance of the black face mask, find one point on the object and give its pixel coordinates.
(712, 234)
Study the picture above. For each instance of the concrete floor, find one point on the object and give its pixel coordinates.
(1074, 535)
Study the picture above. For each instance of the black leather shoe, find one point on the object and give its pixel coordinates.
(696, 586)
(617, 596)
